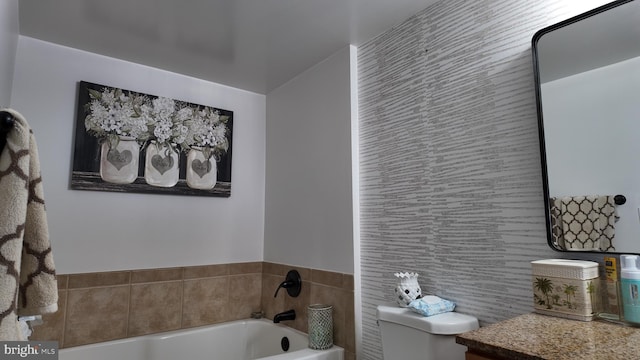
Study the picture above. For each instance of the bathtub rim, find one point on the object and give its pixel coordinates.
(172, 333)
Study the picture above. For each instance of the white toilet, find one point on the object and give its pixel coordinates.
(408, 335)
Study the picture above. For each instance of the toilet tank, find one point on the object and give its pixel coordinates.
(408, 335)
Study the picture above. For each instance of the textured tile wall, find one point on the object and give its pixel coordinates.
(97, 307)
(450, 170)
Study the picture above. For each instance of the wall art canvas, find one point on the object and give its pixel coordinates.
(127, 141)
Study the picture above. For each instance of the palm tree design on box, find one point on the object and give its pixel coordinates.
(564, 294)
(591, 290)
(545, 286)
(570, 291)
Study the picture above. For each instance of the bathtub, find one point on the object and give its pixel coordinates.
(235, 340)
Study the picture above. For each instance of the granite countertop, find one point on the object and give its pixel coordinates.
(535, 336)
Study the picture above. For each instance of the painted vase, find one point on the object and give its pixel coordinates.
(202, 172)
(119, 161)
(407, 288)
(161, 165)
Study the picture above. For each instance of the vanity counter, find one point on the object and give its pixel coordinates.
(534, 336)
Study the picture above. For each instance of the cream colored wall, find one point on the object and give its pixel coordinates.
(8, 44)
(307, 166)
(102, 231)
(308, 207)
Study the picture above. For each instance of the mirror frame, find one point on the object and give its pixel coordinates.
(538, 92)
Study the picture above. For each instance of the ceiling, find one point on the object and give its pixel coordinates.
(255, 45)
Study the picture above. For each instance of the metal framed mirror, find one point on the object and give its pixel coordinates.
(587, 77)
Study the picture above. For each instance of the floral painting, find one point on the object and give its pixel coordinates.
(128, 141)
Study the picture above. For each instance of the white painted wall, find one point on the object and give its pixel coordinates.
(308, 207)
(9, 27)
(101, 231)
(591, 136)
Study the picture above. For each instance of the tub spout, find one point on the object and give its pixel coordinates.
(287, 315)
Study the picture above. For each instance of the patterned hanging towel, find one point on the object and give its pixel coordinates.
(584, 222)
(608, 218)
(555, 211)
(27, 274)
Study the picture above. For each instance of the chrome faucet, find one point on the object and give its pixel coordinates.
(287, 315)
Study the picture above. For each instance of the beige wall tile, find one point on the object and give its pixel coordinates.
(273, 269)
(245, 293)
(96, 314)
(282, 270)
(327, 278)
(78, 281)
(348, 355)
(271, 305)
(349, 283)
(206, 301)
(323, 287)
(299, 304)
(142, 276)
(245, 268)
(63, 281)
(155, 307)
(161, 300)
(349, 322)
(52, 328)
(273, 275)
(321, 294)
(196, 272)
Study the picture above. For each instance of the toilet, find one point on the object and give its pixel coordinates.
(408, 335)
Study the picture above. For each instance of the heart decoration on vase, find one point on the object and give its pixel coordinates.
(119, 160)
(201, 170)
(161, 165)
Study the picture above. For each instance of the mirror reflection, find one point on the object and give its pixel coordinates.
(588, 91)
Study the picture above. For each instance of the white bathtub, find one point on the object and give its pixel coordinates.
(236, 340)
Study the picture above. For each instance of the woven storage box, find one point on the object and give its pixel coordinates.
(566, 288)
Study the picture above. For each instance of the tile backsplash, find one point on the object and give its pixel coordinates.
(97, 307)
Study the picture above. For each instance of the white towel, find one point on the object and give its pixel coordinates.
(27, 274)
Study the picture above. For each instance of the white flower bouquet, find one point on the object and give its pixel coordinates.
(113, 113)
(207, 129)
(165, 121)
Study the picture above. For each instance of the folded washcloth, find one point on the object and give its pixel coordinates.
(431, 305)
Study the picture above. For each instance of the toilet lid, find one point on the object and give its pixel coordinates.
(449, 323)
